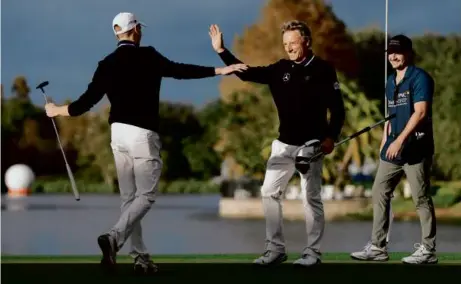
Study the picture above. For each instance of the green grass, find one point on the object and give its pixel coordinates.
(235, 268)
(444, 258)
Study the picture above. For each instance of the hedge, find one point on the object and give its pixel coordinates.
(174, 187)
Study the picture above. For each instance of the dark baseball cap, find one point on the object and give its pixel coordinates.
(399, 44)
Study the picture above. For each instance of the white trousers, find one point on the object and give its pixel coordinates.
(138, 163)
(279, 171)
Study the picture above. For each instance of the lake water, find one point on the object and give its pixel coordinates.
(55, 225)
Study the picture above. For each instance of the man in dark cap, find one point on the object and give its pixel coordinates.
(407, 148)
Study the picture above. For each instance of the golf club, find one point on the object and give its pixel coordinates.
(69, 171)
(303, 161)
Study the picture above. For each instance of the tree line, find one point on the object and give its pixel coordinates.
(237, 128)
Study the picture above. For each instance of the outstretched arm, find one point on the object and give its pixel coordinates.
(177, 70)
(259, 74)
(94, 93)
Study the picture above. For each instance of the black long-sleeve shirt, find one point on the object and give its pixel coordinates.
(302, 94)
(131, 77)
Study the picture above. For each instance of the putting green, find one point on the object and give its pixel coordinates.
(224, 268)
(444, 258)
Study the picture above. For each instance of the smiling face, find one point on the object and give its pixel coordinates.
(296, 40)
(295, 45)
(398, 60)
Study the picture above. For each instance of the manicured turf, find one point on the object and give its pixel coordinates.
(234, 268)
(444, 258)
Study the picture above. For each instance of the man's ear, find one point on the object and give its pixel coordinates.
(136, 29)
(308, 42)
(117, 28)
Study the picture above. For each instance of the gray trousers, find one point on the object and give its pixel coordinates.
(279, 171)
(386, 180)
(138, 163)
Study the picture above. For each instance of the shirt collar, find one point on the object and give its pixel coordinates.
(127, 42)
(306, 61)
(408, 72)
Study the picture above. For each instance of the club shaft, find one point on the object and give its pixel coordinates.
(57, 134)
(366, 129)
(69, 171)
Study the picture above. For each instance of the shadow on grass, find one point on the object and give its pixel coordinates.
(227, 273)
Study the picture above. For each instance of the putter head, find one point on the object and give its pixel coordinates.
(306, 155)
(42, 85)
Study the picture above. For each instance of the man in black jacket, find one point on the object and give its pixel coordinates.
(130, 77)
(303, 89)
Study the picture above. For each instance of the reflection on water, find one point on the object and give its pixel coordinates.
(175, 225)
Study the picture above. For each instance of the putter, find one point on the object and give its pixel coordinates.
(69, 171)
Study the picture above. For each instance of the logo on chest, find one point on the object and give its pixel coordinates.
(286, 77)
(399, 99)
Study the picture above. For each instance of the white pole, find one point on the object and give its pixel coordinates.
(391, 216)
(385, 52)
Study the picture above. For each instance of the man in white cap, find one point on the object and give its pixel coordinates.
(130, 77)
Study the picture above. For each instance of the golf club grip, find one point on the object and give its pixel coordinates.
(72, 182)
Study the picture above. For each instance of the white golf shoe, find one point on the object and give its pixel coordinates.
(307, 260)
(371, 253)
(421, 256)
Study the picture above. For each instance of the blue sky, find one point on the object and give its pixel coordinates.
(62, 41)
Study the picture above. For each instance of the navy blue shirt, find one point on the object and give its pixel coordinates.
(416, 86)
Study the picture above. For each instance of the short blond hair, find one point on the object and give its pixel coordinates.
(296, 25)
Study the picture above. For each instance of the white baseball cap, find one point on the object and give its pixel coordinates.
(126, 21)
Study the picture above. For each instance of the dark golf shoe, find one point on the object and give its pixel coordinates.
(109, 252)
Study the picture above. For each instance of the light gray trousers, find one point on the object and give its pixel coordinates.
(138, 163)
(279, 171)
(387, 178)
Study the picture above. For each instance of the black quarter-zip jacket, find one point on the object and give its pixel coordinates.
(131, 76)
(302, 93)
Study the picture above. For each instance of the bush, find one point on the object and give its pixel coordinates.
(189, 187)
(62, 185)
(448, 194)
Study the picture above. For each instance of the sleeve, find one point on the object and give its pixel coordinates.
(171, 69)
(423, 88)
(335, 104)
(93, 94)
(258, 74)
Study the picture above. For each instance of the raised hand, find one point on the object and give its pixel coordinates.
(216, 38)
(231, 69)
